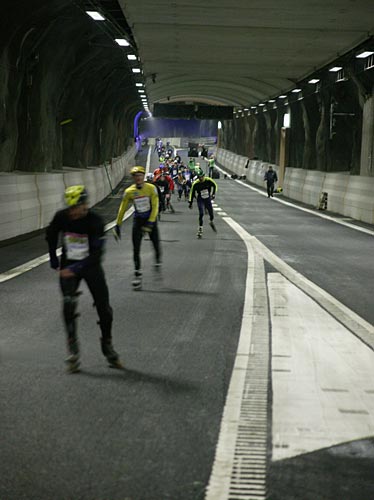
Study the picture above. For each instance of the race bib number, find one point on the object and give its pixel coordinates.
(204, 194)
(77, 246)
(142, 204)
(162, 189)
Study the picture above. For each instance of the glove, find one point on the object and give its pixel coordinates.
(190, 204)
(117, 232)
(148, 228)
(53, 261)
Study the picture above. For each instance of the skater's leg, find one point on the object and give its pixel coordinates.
(208, 206)
(200, 205)
(154, 236)
(69, 287)
(137, 235)
(96, 283)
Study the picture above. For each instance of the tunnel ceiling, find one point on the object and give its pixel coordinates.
(239, 53)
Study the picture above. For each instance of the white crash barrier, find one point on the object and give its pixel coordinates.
(28, 201)
(350, 195)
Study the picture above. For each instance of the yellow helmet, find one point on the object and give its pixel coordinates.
(137, 170)
(75, 195)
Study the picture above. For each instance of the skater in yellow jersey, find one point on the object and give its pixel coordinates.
(144, 197)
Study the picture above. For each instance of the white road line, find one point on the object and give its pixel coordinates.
(28, 266)
(350, 319)
(16, 271)
(319, 375)
(31, 264)
(242, 446)
(307, 210)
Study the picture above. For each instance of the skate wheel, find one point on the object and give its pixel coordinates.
(73, 369)
(117, 365)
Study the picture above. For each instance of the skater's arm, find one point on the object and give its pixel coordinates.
(192, 191)
(215, 187)
(154, 204)
(123, 207)
(52, 233)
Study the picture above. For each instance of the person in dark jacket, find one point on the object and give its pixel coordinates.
(204, 189)
(82, 235)
(270, 178)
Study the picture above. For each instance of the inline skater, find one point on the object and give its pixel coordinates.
(82, 232)
(204, 189)
(211, 165)
(143, 196)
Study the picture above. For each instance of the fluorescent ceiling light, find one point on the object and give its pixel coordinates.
(335, 69)
(282, 96)
(136, 70)
(364, 54)
(314, 80)
(139, 84)
(95, 15)
(253, 107)
(261, 104)
(141, 91)
(245, 109)
(131, 57)
(122, 42)
(296, 90)
(271, 100)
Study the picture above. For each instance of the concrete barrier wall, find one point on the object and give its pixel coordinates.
(349, 195)
(28, 201)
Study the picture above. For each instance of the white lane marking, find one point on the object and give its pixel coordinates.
(223, 214)
(28, 266)
(320, 375)
(240, 461)
(307, 210)
(148, 160)
(23, 268)
(350, 319)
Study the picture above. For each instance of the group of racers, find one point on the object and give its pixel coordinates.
(82, 233)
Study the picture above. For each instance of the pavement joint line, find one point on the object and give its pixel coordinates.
(307, 210)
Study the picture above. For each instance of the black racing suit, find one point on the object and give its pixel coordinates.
(82, 250)
(270, 178)
(205, 191)
(163, 188)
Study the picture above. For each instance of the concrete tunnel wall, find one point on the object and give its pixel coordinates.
(350, 195)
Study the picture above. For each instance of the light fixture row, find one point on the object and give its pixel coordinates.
(122, 42)
(334, 69)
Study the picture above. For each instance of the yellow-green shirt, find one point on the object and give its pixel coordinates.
(144, 199)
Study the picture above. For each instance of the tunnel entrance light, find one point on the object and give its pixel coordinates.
(365, 54)
(131, 57)
(335, 69)
(95, 15)
(136, 70)
(122, 42)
